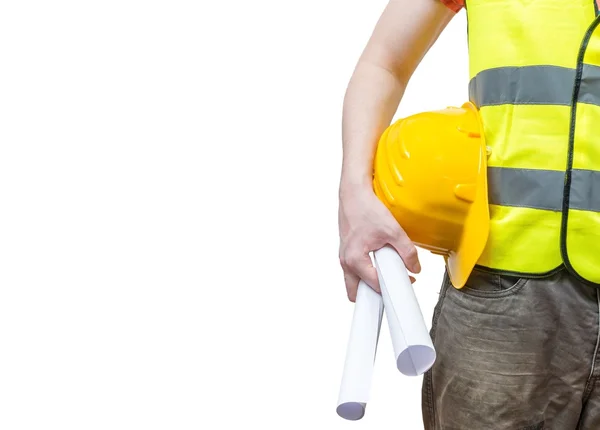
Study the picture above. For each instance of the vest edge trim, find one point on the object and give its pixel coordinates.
(569, 170)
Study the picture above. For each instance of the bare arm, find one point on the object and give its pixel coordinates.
(403, 35)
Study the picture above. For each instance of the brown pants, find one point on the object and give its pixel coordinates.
(514, 354)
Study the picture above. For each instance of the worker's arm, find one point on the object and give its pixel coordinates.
(404, 33)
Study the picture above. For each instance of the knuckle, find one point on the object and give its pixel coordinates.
(385, 233)
(408, 251)
(347, 263)
(411, 251)
(353, 259)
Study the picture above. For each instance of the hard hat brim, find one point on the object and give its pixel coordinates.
(462, 261)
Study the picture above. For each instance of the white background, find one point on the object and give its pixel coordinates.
(168, 213)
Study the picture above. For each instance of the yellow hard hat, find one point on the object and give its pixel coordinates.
(430, 170)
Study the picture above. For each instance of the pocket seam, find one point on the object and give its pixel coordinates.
(495, 294)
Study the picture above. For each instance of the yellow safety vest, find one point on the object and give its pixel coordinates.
(535, 76)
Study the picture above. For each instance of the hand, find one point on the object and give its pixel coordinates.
(366, 225)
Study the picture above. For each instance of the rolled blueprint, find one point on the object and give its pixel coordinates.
(413, 349)
(412, 344)
(360, 353)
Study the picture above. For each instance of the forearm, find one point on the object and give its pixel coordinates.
(403, 35)
(371, 100)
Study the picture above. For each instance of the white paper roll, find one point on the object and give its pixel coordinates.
(411, 341)
(360, 353)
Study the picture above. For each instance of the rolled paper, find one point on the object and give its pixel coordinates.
(413, 348)
(360, 353)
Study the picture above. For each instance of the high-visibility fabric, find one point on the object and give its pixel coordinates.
(535, 77)
(456, 5)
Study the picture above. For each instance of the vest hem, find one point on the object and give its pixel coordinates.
(537, 275)
(530, 275)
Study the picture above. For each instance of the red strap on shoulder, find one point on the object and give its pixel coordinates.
(455, 5)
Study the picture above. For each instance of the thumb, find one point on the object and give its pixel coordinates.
(408, 252)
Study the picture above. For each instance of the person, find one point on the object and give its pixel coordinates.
(517, 346)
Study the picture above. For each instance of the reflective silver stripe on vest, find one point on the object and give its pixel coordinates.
(585, 190)
(539, 189)
(589, 92)
(543, 189)
(548, 85)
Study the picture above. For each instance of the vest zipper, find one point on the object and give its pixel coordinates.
(567, 188)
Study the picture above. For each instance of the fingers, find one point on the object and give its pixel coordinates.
(351, 285)
(407, 251)
(359, 266)
(363, 266)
